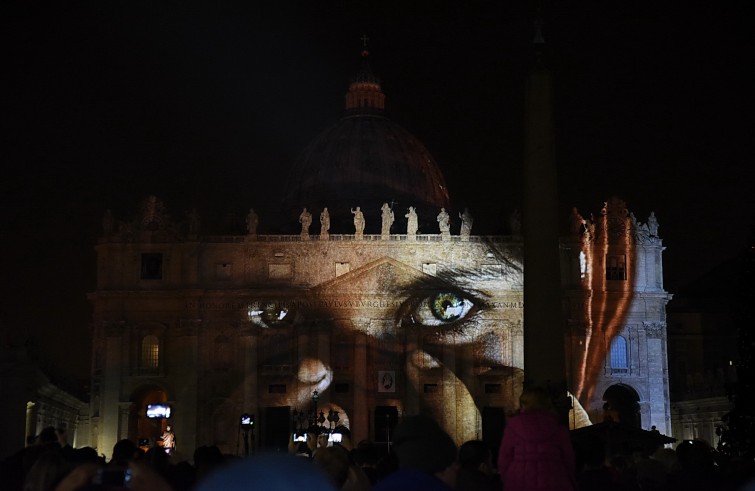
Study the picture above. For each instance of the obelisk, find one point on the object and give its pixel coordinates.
(544, 358)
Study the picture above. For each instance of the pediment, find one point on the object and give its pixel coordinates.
(384, 275)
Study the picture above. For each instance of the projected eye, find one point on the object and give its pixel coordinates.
(442, 309)
(270, 315)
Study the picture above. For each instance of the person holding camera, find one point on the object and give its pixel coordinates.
(169, 440)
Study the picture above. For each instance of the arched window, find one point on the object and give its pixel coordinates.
(619, 358)
(150, 352)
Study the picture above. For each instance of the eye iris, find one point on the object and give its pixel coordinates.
(274, 314)
(447, 307)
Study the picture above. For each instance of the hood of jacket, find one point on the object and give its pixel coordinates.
(535, 426)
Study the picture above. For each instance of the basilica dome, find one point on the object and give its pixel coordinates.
(365, 160)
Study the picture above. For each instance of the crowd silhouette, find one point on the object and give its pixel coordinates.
(535, 453)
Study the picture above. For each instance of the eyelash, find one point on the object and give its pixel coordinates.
(441, 309)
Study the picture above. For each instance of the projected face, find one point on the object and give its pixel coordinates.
(441, 336)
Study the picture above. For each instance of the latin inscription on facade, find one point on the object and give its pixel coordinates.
(331, 303)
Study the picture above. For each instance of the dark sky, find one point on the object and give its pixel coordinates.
(207, 104)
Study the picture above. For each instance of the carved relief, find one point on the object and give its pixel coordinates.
(386, 277)
(616, 220)
(654, 329)
(646, 233)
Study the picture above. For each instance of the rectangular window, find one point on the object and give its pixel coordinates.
(150, 352)
(616, 267)
(152, 266)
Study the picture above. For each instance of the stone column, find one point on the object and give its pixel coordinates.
(249, 341)
(448, 359)
(517, 343)
(642, 281)
(115, 363)
(412, 374)
(250, 359)
(124, 411)
(657, 376)
(31, 419)
(544, 356)
(359, 418)
(323, 351)
(303, 348)
(185, 368)
(468, 418)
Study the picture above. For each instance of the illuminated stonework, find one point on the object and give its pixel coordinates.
(377, 325)
(256, 339)
(614, 288)
(285, 317)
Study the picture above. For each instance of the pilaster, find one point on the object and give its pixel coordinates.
(359, 416)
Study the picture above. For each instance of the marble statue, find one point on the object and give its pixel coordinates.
(358, 221)
(305, 218)
(653, 225)
(642, 234)
(412, 223)
(251, 222)
(324, 223)
(466, 223)
(444, 221)
(388, 218)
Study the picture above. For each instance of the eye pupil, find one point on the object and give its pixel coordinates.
(446, 307)
(442, 309)
(271, 315)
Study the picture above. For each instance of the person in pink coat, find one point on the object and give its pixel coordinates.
(536, 452)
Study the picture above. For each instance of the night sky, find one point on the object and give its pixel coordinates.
(207, 105)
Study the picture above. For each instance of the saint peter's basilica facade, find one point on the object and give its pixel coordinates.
(402, 317)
